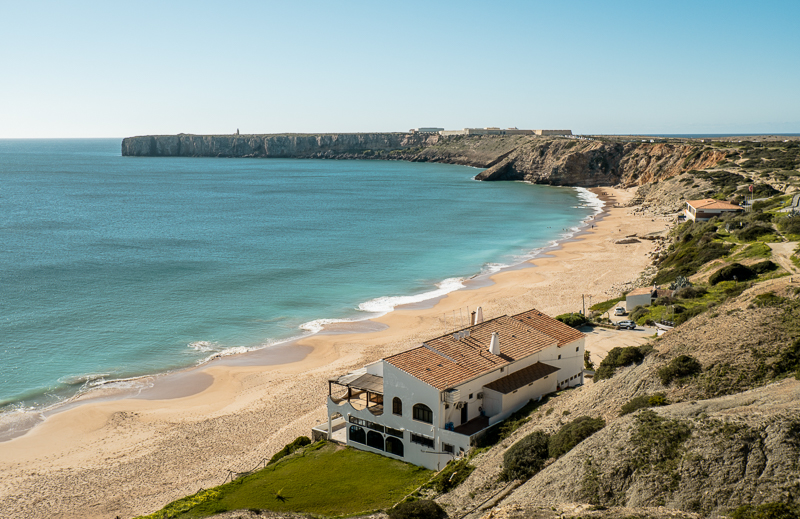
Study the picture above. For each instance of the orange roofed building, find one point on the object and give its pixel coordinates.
(429, 404)
(708, 208)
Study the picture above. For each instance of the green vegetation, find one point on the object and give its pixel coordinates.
(452, 475)
(657, 442)
(321, 479)
(695, 245)
(733, 272)
(421, 509)
(526, 457)
(619, 357)
(643, 402)
(587, 360)
(572, 433)
(574, 320)
(767, 511)
(298, 443)
(755, 250)
(680, 367)
(606, 305)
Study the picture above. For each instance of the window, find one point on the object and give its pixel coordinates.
(470, 396)
(422, 413)
(422, 440)
(375, 440)
(394, 446)
(357, 434)
(446, 447)
(397, 406)
(559, 357)
(394, 432)
(577, 348)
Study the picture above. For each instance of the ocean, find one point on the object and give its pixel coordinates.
(116, 267)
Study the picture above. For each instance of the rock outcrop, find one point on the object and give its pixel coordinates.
(539, 160)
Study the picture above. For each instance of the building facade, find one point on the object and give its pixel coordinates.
(708, 208)
(428, 405)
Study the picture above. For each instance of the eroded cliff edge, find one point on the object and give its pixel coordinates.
(540, 160)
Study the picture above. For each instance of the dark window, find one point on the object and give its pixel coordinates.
(470, 396)
(422, 413)
(394, 446)
(357, 434)
(422, 440)
(394, 432)
(559, 357)
(578, 348)
(375, 440)
(397, 406)
(446, 447)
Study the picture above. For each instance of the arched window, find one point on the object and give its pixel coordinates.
(397, 406)
(357, 434)
(375, 440)
(394, 446)
(422, 413)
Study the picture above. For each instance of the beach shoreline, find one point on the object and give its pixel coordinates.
(132, 456)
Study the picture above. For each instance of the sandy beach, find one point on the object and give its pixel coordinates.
(130, 456)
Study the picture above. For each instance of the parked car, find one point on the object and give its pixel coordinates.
(619, 311)
(630, 325)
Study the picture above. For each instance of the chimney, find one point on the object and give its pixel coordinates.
(494, 346)
(473, 319)
(479, 315)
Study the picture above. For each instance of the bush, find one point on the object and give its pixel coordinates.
(526, 457)
(619, 357)
(767, 511)
(682, 317)
(420, 509)
(572, 433)
(763, 267)
(642, 402)
(298, 443)
(638, 313)
(451, 476)
(788, 359)
(735, 270)
(680, 367)
(753, 231)
(574, 320)
(790, 224)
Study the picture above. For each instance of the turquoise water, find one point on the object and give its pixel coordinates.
(113, 267)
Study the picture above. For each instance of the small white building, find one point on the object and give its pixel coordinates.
(642, 296)
(426, 130)
(429, 404)
(708, 208)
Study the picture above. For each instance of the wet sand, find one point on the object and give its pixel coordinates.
(130, 456)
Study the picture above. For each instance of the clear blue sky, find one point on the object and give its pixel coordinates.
(114, 69)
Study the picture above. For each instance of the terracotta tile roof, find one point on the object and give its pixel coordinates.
(521, 378)
(641, 291)
(710, 203)
(551, 327)
(446, 361)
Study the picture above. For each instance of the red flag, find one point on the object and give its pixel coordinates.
(751, 188)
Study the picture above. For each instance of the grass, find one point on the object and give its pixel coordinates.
(755, 250)
(321, 480)
(606, 305)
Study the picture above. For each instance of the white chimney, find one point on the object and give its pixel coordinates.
(479, 316)
(494, 346)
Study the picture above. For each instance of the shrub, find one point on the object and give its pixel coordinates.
(790, 224)
(587, 360)
(735, 270)
(619, 357)
(526, 457)
(753, 231)
(642, 402)
(767, 511)
(763, 267)
(451, 476)
(572, 433)
(680, 367)
(788, 359)
(682, 317)
(574, 320)
(638, 313)
(690, 292)
(420, 509)
(298, 443)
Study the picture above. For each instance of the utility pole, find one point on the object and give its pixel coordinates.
(583, 297)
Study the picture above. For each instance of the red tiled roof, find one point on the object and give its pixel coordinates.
(552, 327)
(641, 291)
(710, 203)
(520, 378)
(447, 361)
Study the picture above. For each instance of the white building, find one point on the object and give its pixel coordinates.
(708, 208)
(442, 396)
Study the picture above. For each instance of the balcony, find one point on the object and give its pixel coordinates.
(360, 389)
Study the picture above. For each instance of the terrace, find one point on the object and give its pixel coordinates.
(362, 390)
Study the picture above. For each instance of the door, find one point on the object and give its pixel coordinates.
(464, 413)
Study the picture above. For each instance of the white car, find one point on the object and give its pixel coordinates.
(619, 311)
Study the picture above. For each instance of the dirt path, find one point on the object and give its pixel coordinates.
(782, 252)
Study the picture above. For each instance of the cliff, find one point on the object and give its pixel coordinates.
(540, 160)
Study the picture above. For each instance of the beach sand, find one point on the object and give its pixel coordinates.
(131, 456)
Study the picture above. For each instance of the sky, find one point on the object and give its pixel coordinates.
(117, 69)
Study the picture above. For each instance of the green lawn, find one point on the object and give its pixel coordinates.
(320, 480)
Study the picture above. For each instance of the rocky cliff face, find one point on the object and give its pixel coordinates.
(540, 160)
(341, 145)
